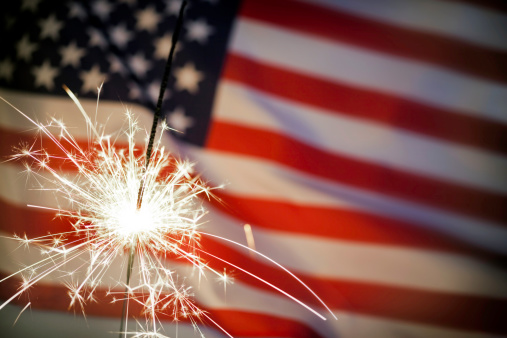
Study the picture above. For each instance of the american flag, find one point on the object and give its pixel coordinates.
(363, 141)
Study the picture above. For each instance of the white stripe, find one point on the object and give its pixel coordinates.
(359, 138)
(42, 108)
(243, 298)
(365, 68)
(50, 324)
(248, 177)
(21, 189)
(370, 263)
(465, 22)
(35, 323)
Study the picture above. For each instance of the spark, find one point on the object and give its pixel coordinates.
(20, 312)
(108, 221)
(250, 239)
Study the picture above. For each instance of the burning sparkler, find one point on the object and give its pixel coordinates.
(123, 202)
(107, 223)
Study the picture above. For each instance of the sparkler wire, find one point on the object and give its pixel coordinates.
(163, 86)
(156, 118)
(129, 272)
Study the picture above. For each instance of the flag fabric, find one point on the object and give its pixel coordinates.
(364, 142)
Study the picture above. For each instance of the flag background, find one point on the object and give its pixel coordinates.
(364, 141)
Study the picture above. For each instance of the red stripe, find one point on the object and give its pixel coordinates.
(344, 224)
(237, 323)
(497, 5)
(361, 103)
(334, 223)
(366, 33)
(59, 160)
(12, 141)
(458, 311)
(461, 311)
(439, 194)
(33, 222)
(340, 224)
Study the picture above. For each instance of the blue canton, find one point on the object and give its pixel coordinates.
(123, 44)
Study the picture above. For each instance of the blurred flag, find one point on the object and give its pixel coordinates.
(363, 141)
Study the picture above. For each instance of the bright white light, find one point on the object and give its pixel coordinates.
(133, 222)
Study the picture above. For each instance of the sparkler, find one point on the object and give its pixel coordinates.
(149, 205)
(156, 117)
(106, 223)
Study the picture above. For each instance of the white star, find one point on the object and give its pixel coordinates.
(91, 79)
(50, 27)
(147, 19)
(188, 78)
(71, 55)
(163, 45)
(77, 11)
(179, 121)
(198, 31)
(25, 48)
(139, 64)
(154, 92)
(96, 38)
(6, 69)
(134, 91)
(102, 9)
(120, 36)
(30, 5)
(45, 75)
(115, 65)
(173, 8)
